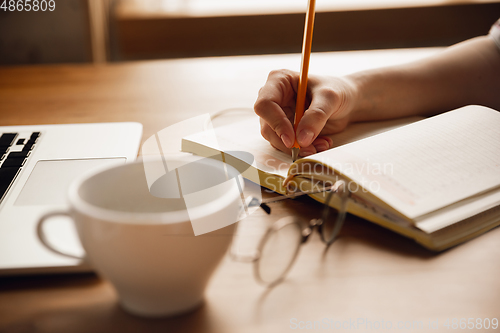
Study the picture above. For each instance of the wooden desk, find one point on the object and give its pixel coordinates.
(369, 274)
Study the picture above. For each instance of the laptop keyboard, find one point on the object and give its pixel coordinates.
(15, 149)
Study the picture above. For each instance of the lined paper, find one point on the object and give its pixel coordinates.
(427, 165)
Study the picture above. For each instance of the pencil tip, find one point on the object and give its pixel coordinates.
(295, 154)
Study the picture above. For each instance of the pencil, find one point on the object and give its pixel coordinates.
(304, 69)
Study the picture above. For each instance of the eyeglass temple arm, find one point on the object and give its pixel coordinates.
(253, 201)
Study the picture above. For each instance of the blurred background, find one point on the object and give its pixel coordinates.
(97, 31)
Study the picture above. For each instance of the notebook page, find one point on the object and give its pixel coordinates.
(451, 214)
(427, 165)
(358, 131)
(245, 136)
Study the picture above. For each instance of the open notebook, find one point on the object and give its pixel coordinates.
(435, 180)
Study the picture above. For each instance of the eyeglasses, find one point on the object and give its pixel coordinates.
(278, 248)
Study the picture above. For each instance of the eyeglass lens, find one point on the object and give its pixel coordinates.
(278, 250)
(333, 219)
(279, 246)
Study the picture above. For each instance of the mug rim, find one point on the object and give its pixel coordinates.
(83, 207)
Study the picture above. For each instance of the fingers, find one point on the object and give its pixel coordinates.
(324, 103)
(306, 151)
(321, 143)
(330, 103)
(275, 106)
(270, 135)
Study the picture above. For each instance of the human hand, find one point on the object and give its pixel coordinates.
(329, 103)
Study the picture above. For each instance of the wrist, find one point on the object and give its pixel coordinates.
(371, 96)
(354, 83)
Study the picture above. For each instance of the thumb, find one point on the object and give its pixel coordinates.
(324, 103)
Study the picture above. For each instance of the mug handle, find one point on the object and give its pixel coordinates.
(43, 239)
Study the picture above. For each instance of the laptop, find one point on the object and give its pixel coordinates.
(37, 164)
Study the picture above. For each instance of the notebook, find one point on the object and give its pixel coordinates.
(434, 180)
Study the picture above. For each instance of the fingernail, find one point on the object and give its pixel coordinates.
(321, 146)
(328, 139)
(305, 137)
(286, 140)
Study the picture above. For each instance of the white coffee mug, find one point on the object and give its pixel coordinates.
(144, 244)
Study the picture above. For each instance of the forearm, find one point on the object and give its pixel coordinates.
(466, 73)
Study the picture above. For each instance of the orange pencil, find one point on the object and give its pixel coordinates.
(304, 69)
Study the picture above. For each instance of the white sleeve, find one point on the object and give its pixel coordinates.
(495, 33)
